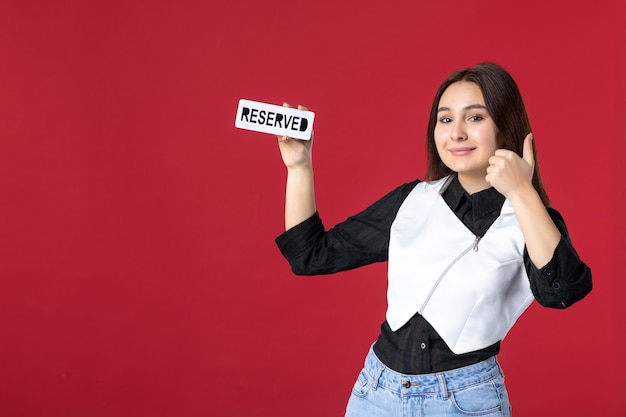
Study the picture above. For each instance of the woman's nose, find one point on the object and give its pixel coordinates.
(458, 132)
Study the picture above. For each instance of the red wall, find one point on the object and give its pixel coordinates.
(139, 276)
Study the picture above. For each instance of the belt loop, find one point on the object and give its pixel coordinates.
(443, 386)
(379, 372)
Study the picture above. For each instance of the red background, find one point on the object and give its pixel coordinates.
(139, 276)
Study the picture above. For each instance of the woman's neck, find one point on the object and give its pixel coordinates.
(472, 183)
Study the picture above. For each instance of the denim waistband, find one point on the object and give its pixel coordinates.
(436, 383)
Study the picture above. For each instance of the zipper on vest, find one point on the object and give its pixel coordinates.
(476, 243)
(474, 246)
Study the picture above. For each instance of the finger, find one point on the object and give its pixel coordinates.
(489, 178)
(505, 153)
(301, 107)
(496, 160)
(527, 153)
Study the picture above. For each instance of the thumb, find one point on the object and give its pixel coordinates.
(527, 153)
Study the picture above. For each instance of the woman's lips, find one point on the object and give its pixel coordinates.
(460, 151)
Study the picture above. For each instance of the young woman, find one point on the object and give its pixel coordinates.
(468, 249)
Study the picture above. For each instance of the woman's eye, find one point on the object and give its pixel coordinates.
(476, 118)
(445, 120)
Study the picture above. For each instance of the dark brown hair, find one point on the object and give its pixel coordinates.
(506, 107)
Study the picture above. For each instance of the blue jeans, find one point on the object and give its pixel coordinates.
(475, 390)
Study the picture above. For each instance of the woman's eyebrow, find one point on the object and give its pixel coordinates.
(470, 107)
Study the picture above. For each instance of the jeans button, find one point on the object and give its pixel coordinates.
(406, 384)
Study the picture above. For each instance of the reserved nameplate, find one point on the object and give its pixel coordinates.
(277, 120)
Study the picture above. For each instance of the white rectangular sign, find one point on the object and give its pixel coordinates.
(277, 120)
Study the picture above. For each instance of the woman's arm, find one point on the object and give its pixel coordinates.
(558, 278)
(565, 279)
(512, 177)
(359, 240)
(300, 190)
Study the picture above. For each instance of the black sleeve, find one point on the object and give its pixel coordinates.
(565, 279)
(359, 240)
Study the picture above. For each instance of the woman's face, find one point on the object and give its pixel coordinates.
(465, 134)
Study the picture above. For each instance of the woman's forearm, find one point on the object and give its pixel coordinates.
(540, 233)
(299, 196)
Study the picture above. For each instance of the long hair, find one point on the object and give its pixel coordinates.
(506, 107)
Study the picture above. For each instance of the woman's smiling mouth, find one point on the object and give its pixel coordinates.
(461, 150)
